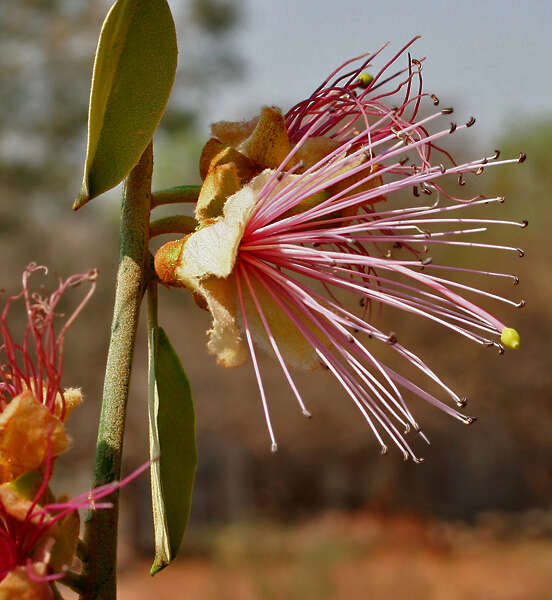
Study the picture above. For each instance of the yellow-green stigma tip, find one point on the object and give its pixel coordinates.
(365, 79)
(510, 338)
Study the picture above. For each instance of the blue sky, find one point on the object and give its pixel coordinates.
(489, 58)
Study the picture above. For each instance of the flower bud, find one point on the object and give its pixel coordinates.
(167, 258)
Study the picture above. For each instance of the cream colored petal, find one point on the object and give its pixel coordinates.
(28, 431)
(206, 264)
(225, 339)
(294, 347)
(212, 250)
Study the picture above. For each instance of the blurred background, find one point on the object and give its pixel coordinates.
(326, 517)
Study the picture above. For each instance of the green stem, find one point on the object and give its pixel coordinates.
(180, 193)
(101, 527)
(173, 224)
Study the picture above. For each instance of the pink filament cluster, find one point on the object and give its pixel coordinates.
(19, 539)
(304, 261)
(37, 362)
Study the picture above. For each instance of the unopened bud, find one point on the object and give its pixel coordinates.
(364, 80)
(167, 258)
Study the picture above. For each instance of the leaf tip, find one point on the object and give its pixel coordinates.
(82, 199)
(158, 565)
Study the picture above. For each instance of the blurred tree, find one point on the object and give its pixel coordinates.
(46, 55)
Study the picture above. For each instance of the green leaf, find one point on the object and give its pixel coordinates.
(172, 440)
(133, 76)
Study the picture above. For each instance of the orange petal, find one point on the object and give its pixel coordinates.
(269, 144)
(233, 133)
(28, 432)
(17, 585)
(221, 182)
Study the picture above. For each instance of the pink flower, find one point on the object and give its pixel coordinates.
(33, 407)
(37, 362)
(308, 224)
(40, 534)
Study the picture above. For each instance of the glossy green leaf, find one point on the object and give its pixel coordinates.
(133, 76)
(173, 444)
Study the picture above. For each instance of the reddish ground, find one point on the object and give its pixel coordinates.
(348, 558)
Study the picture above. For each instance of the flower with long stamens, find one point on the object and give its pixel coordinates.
(33, 406)
(39, 534)
(296, 218)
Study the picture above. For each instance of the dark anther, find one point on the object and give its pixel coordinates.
(435, 99)
(462, 403)
(403, 161)
(516, 280)
(461, 180)
(442, 169)
(484, 161)
(332, 109)
(520, 304)
(392, 338)
(501, 200)
(524, 223)
(280, 176)
(522, 157)
(496, 154)
(356, 330)
(395, 108)
(315, 244)
(479, 171)
(362, 302)
(470, 420)
(521, 252)
(397, 245)
(500, 348)
(384, 450)
(427, 261)
(415, 191)
(447, 111)
(452, 127)
(416, 62)
(350, 339)
(426, 190)
(470, 122)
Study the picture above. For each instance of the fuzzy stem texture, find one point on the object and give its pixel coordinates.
(100, 566)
